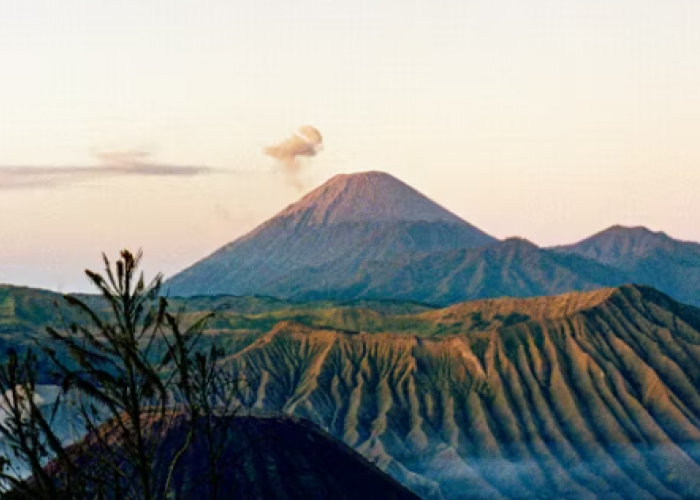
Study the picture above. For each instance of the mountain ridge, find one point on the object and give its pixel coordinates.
(370, 236)
(580, 395)
(513, 267)
(653, 258)
(596, 402)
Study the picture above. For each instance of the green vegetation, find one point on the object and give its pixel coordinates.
(238, 322)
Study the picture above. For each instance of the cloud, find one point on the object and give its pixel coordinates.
(109, 164)
(306, 141)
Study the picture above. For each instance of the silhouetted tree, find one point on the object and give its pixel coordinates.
(129, 373)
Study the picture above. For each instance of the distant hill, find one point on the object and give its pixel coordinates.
(585, 395)
(273, 457)
(619, 245)
(512, 268)
(26, 312)
(648, 257)
(354, 218)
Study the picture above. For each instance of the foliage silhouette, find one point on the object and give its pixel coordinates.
(129, 376)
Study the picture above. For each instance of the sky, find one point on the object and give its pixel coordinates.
(546, 119)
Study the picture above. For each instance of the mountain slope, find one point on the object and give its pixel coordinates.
(354, 218)
(648, 257)
(583, 396)
(515, 268)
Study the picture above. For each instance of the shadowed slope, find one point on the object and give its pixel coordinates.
(594, 397)
(512, 268)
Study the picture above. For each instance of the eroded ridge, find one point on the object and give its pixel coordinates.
(592, 396)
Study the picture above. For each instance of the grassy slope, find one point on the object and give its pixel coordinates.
(26, 312)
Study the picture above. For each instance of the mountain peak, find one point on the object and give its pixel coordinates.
(618, 244)
(519, 242)
(371, 196)
(359, 176)
(631, 238)
(620, 230)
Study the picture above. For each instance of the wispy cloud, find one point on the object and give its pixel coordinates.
(133, 163)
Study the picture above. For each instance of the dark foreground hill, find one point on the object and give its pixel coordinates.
(590, 395)
(264, 458)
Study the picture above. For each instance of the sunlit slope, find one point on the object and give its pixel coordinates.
(593, 396)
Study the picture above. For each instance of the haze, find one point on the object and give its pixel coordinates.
(551, 120)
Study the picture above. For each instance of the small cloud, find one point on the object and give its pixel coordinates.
(127, 158)
(306, 141)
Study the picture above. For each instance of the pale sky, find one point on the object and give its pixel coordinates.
(551, 120)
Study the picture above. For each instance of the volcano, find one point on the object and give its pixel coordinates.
(351, 219)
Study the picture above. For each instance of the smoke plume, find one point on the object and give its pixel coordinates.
(306, 141)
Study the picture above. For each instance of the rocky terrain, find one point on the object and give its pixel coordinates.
(511, 268)
(587, 395)
(580, 395)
